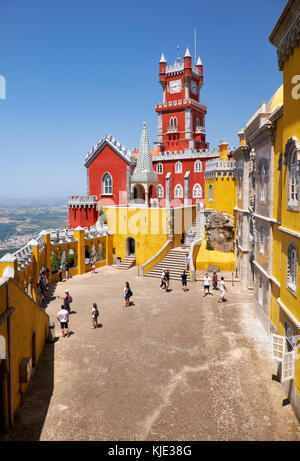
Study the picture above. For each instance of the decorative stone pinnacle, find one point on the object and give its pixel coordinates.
(199, 62)
(187, 53)
(162, 59)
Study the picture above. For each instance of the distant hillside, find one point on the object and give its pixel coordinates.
(20, 220)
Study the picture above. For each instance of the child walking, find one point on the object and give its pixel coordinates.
(95, 315)
(223, 288)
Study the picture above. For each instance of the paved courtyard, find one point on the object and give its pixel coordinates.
(173, 366)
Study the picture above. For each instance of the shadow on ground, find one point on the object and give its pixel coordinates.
(30, 417)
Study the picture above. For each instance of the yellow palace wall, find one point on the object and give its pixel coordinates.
(223, 193)
(26, 319)
(148, 226)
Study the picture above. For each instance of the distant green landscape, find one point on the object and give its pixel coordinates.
(27, 218)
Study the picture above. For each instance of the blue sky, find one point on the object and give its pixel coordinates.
(76, 70)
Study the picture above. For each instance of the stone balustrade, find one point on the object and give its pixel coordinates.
(82, 200)
(179, 103)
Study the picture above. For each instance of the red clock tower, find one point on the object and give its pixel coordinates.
(181, 117)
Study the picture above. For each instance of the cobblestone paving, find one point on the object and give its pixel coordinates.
(173, 366)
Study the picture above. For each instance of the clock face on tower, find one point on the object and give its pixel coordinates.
(194, 87)
(175, 86)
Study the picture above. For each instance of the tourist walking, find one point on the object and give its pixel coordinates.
(223, 288)
(67, 267)
(127, 294)
(93, 264)
(167, 278)
(95, 315)
(163, 280)
(215, 280)
(191, 238)
(63, 318)
(206, 285)
(184, 281)
(39, 295)
(67, 300)
(187, 262)
(182, 240)
(60, 273)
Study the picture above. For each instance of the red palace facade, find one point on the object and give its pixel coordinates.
(178, 160)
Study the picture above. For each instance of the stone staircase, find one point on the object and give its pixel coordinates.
(127, 263)
(174, 261)
(195, 228)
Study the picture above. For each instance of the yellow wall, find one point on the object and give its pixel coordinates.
(223, 193)
(26, 318)
(148, 226)
(214, 258)
(291, 128)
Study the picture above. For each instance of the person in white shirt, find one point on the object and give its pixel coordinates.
(163, 279)
(63, 318)
(223, 288)
(206, 285)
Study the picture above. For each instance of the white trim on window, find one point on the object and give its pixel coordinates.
(197, 191)
(178, 191)
(106, 184)
(160, 191)
(198, 166)
(210, 193)
(292, 266)
(262, 183)
(159, 168)
(178, 167)
(261, 240)
(293, 182)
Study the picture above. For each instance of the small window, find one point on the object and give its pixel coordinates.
(260, 291)
(173, 125)
(197, 191)
(107, 184)
(261, 243)
(293, 182)
(210, 193)
(178, 167)
(198, 166)
(178, 191)
(159, 168)
(160, 191)
(292, 263)
(262, 184)
(240, 187)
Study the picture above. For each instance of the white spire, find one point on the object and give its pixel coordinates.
(187, 53)
(144, 172)
(162, 59)
(199, 62)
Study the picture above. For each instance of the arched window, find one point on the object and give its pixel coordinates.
(260, 291)
(107, 184)
(293, 181)
(292, 263)
(240, 186)
(173, 125)
(198, 125)
(197, 166)
(178, 191)
(178, 167)
(261, 242)
(262, 184)
(210, 193)
(197, 191)
(159, 168)
(160, 191)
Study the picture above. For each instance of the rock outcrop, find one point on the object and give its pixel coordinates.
(219, 231)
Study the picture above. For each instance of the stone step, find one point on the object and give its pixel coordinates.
(126, 263)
